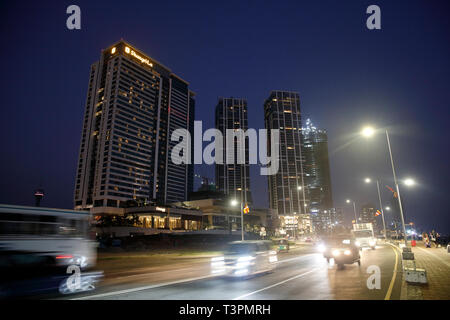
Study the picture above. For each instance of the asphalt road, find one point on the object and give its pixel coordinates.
(297, 276)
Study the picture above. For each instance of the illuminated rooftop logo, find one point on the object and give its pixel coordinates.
(140, 58)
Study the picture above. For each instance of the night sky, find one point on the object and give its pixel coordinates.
(347, 76)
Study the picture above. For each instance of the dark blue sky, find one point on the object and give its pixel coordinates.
(347, 75)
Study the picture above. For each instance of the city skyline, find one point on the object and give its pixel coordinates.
(357, 80)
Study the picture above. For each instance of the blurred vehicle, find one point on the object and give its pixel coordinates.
(244, 258)
(283, 245)
(342, 249)
(364, 236)
(41, 249)
(308, 239)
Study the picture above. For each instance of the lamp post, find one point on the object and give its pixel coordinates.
(354, 209)
(234, 203)
(367, 180)
(368, 132)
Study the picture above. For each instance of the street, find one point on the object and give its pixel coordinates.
(300, 274)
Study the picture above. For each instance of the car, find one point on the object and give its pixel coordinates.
(245, 258)
(342, 249)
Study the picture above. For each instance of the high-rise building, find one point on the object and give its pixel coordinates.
(287, 187)
(233, 179)
(317, 175)
(133, 105)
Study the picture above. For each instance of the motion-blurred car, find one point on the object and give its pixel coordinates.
(244, 258)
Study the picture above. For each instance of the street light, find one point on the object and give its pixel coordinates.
(234, 203)
(368, 132)
(388, 208)
(367, 180)
(409, 182)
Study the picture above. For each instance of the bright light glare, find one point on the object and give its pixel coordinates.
(234, 202)
(299, 188)
(367, 132)
(388, 208)
(348, 201)
(367, 180)
(410, 182)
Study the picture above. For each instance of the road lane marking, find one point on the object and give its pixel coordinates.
(113, 293)
(276, 284)
(391, 285)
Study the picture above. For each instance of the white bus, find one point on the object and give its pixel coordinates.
(37, 242)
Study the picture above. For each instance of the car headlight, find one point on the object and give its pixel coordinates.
(321, 248)
(347, 252)
(358, 243)
(336, 253)
(372, 242)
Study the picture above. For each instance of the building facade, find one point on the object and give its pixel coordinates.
(287, 194)
(317, 175)
(233, 179)
(133, 105)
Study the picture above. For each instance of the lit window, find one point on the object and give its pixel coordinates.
(127, 49)
(113, 50)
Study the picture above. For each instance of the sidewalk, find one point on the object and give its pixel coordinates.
(436, 262)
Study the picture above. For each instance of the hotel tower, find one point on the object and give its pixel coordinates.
(133, 105)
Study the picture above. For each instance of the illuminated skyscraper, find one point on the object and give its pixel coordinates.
(133, 105)
(317, 174)
(233, 179)
(286, 188)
